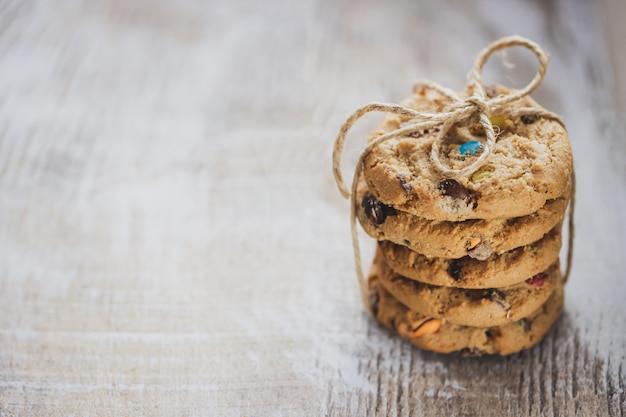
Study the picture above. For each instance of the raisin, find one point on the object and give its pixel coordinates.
(538, 280)
(405, 185)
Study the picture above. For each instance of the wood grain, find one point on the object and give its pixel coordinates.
(172, 241)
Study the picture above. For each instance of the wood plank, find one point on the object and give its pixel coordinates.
(172, 241)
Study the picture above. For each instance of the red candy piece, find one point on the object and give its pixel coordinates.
(538, 280)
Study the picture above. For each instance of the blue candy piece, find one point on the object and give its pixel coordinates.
(470, 148)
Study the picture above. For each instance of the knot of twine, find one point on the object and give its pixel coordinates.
(477, 106)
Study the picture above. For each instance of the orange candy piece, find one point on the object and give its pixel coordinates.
(427, 326)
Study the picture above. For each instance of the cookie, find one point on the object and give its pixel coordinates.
(530, 165)
(496, 271)
(478, 307)
(432, 334)
(445, 239)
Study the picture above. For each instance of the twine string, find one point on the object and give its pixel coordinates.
(461, 109)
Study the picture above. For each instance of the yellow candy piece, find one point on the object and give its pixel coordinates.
(480, 175)
(473, 242)
(498, 120)
(427, 326)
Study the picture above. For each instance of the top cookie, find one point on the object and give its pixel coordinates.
(531, 163)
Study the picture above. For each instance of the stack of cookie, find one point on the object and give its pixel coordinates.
(468, 264)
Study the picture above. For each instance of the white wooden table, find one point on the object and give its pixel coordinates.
(172, 241)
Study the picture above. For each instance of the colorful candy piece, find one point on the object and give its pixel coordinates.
(427, 326)
(525, 323)
(474, 241)
(498, 120)
(470, 148)
(480, 175)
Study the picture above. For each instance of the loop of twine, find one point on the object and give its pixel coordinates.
(476, 105)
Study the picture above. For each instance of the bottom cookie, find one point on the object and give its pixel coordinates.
(431, 334)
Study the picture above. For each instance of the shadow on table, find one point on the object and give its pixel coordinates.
(560, 375)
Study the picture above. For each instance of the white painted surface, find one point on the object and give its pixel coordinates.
(172, 241)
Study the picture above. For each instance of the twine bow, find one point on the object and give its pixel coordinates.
(477, 105)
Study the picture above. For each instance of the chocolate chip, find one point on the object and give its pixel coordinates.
(467, 352)
(529, 118)
(493, 332)
(405, 185)
(455, 269)
(454, 189)
(498, 298)
(376, 211)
